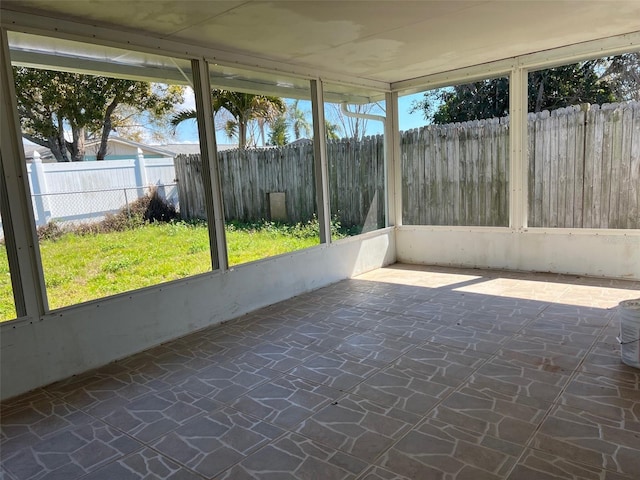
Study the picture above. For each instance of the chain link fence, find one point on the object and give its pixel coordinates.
(69, 209)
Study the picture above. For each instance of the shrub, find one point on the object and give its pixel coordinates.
(50, 231)
(152, 208)
(148, 209)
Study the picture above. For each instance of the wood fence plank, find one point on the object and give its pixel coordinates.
(579, 162)
(540, 152)
(620, 168)
(427, 158)
(633, 213)
(505, 156)
(570, 167)
(452, 160)
(475, 175)
(561, 176)
(602, 171)
(465, 177)
(438, 181)
(494, 169)
(493, 173)
(624, 190)
(531, 162)
(615, 170)
(547, 173)
(593, 153)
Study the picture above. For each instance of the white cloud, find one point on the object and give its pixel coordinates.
(189, 100)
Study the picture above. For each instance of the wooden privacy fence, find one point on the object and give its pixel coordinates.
(248, 176)
(456, 174)
(190, 186)
(356, 182)
(584, 172)
(584, 167)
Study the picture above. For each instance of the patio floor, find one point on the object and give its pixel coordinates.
(406, 372)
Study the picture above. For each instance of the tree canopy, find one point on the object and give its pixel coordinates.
(298, 121)
(279, 127)
(606, 80)
(52, 102)
(243, 108)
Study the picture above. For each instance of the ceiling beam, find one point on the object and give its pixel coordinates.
(533, 61)
(81, 32)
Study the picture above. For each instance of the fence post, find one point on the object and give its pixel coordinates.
(39, 185)
(141, 173)
(126, 201)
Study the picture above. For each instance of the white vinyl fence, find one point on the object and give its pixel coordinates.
(79, 192)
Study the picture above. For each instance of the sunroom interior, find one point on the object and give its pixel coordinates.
(342, 53)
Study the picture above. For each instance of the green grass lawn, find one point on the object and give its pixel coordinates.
(78, 268)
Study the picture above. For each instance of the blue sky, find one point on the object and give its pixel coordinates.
(187, 132)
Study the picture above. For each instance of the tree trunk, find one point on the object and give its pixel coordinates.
(58, 145)
(540, 97)
(261, 122)
(58, 151)
(242, 133)
(107, 126)
(77, 145)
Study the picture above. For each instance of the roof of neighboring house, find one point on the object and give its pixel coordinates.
(300, 141)
(143, 146)
(193, 148)
(168, 150)
(184, 148)
(29, 148)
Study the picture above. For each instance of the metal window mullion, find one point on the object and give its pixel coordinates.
(210, 165)
(518, 153)
(11, 247)
(393, 166)
(320, 161)
(21, 239)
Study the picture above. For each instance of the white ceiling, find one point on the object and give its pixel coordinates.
(387, 41)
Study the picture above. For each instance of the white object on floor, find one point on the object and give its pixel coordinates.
(629, 339)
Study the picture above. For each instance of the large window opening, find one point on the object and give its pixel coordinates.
(264, 131)
(101, 154)
(455, 155)
(354, 126)
(7, 304)
(584, 144)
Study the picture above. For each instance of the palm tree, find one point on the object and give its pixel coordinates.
(298, 121)
(279, 127)
(332, 130)
(243, 107)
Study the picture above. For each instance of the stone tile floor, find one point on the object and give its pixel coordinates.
(403, 373)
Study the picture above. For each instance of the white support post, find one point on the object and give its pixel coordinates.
(17, 213)
(392, 161)
(320, 161)
(518, 201)
(141, 172)
(39, 190)
(210, 165)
